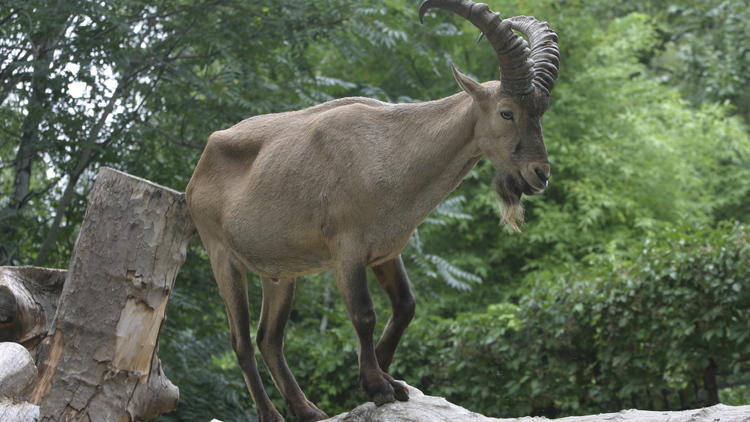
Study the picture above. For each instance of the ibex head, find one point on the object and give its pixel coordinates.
(509, 113)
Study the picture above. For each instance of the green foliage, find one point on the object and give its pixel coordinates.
(736, 396)
(134, 85)
(325, 364)
(702, 47)
(195, 362)
(651, 327)
(635, 330)
(434, 266)
(630, 158)
(609, 299)
(628, 155)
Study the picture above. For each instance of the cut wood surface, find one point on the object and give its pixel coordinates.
(28, 302)
(99, 361)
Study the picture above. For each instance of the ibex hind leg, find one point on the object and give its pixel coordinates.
(278, 295)
(393, 279)
(232, 281)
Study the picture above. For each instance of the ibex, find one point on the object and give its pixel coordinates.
(342, 185)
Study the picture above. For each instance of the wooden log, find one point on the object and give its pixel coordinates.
(28, 302)
(99, 361)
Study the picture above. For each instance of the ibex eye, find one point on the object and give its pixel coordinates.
(507, 115)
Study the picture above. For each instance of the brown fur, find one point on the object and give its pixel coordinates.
(342, 186)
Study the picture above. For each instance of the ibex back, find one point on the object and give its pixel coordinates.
(342, 186)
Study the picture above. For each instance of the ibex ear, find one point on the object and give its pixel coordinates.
(472, 87)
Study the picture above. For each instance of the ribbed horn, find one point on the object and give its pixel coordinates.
(545, 52)
(516, 66)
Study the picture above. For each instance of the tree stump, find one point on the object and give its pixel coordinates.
(99, 360)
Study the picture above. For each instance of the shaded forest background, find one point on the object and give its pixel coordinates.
(629, 286)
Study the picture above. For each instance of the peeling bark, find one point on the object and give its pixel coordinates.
(99, 361)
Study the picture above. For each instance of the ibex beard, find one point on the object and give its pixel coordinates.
(511, 203)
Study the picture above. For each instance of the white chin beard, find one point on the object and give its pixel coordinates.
(512, 215)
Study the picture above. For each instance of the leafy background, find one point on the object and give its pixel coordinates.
(629, 286)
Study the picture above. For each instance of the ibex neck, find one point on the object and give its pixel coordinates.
(436, 147)
(437, 132)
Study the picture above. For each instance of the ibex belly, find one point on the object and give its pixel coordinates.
(277, 242)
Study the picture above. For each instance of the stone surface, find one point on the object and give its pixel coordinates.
(17, 373)
(18, 412)
(17, 370)
(422, 408)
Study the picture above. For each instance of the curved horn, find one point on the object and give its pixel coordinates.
(517, 69)
(544, 50)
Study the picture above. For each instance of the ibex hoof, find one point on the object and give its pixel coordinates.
(313, 415)
(382, 398)
(379, 390)
(271, 417)
(400, 391)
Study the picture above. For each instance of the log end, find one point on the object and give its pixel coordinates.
(28, 301)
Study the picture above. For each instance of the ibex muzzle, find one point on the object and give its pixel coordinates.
(343, 185)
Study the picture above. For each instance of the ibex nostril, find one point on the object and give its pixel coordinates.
(542, 175)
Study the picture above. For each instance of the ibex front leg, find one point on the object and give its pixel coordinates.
(351, 280)
(277, 303)
(393, 279)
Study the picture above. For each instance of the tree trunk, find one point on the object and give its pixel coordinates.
(43, 46)
(709, 382)
(99, 361)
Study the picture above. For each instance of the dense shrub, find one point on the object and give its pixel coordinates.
(656, 328)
